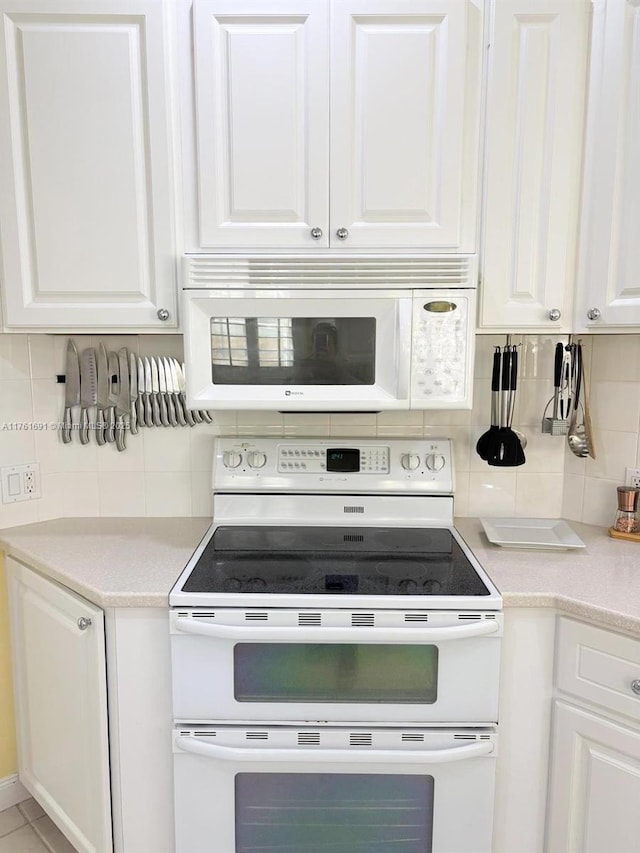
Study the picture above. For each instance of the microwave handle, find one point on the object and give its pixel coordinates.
(335, 756)
(404, 346)
(301, 634)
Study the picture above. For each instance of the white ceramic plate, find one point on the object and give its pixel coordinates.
(538, 534)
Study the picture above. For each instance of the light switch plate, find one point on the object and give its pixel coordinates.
(20, 482)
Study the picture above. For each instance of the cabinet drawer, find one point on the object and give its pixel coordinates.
(599, 666)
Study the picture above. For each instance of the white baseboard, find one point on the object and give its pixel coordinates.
(12, 792)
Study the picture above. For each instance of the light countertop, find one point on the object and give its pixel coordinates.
(134, 562)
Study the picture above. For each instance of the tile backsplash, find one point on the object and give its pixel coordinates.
(166, 472)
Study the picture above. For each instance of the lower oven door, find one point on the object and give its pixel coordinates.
(383, 666)
(333, 790)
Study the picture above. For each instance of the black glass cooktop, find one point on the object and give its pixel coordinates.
(334, 560)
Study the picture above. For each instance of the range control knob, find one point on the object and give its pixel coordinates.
(410, 461)
(256, 459)
(435, 461)
(231, 459)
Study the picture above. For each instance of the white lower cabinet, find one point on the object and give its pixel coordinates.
(61, 705)
(594, 793)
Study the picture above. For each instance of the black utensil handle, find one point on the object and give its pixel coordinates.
(578, 374)
(495, 373)
(557, 366)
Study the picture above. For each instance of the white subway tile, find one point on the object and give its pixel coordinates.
(42, 357)
(538, 495)
(492, 494)
(14, 358)
(121, 494)
(615, 451)
(168, 494)
(600, 501)
(616, 358)
(201, 494)
(572, 497)
(23, 512)
(78, 494)
(615, 405)
(166, 449)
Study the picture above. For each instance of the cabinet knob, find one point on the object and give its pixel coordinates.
(555, 314)
(163, 314)
(635, 686)
(316, 233)
(593, 313)
(84, 623)
(342, 233)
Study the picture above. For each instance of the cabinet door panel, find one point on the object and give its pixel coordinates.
(87, 231)
(535, 106)
(610, 248)
(61, 703)
(404, 106)
(262, 110)
(595, 784)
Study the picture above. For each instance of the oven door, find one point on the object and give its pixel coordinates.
(333, 790)
(385, 666)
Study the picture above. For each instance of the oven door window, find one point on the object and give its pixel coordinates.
(334, 672)
(293, 350)
(334, 813)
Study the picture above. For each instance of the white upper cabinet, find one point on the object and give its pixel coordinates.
(351, 124)
(536, 87)
(86, 222)
(609, 267)
(262, 136)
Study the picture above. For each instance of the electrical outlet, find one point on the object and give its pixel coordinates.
(633, 477)
(20, 482)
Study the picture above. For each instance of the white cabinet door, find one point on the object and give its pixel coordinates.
(86, 216)
(262, 112)
(535, 110)
(609, 290)
(61, 706)
(405, 96)
(595, 784)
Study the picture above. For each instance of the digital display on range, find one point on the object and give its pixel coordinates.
(344, 460)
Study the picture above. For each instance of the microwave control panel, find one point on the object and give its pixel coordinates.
(423, 465)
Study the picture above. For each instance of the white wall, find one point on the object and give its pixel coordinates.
(165, 471)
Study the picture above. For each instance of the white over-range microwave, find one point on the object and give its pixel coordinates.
(326, 334)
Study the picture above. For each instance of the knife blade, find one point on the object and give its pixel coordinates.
(102, 401)
(182, 388)
(154, 386)
(88, 390)
(123, 400)
(162, 391)
(170, 370)
(171, 400)
(114, 381)
(196, 413)
(72, 389)
(133, 393)
(144, 415)
(148, 392)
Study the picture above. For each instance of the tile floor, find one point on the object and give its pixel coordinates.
(25, 828)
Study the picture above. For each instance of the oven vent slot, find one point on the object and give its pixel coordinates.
(257, 735)
(464, 737)
(205, 734)
(306, 738)
(469, 617)
(416, 617)
(203, 613)
(309, 619)
(359, 509)
(485, 737)
(413, 737)
(360, 739)
(252, 616)
(490, 616)
(363, 620)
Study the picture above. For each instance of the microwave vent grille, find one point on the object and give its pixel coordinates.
(357, 509)
(253, 616)
(307, 738)
(469, 617)
(413, 737)
(205, 271)
(257, 735)
(365, 620)
(416, 617)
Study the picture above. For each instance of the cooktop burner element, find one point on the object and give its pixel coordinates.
(337, 561)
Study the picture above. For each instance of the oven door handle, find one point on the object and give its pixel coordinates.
(335, 756)
(301, 634)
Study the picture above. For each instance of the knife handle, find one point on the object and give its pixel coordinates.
(148, 415)
(109, 431)
(171, 409)
(140, 414)
(133, 422)
(67, 425)
(155, 409)
(196, 415)
(206, 417)
(187, 411)
(100, 425)
(177, 404)
(164, 415)
(120, 430)
(84, 426)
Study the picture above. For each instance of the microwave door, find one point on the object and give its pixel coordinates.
(299, 354)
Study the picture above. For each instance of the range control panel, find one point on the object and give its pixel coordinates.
(406, 465)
